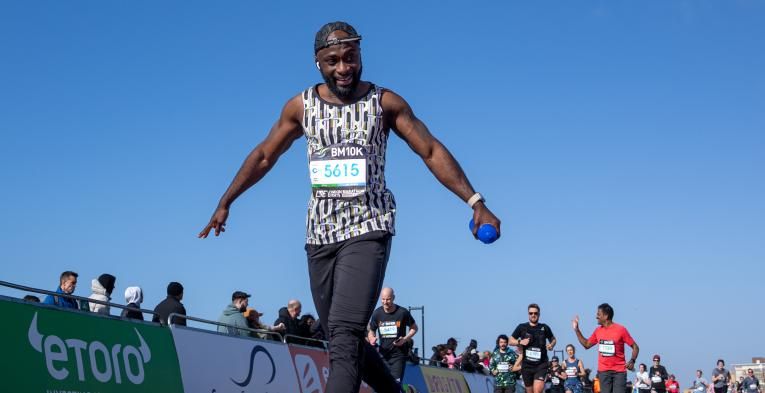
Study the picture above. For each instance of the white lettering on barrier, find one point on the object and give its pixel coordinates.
(58, 355)
(101, 376)
(104, 363)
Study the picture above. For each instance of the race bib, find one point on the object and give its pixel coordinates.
(656, 379)
(555, 381)
(607, 348)
(534, 354)
(753, 387)
(571, 371)
(339, 171)
(503, 367)
(389, 331)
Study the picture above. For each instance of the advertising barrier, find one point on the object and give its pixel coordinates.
(444, 380)
(312, 368)
(47, 349)
(212, 362)
(479, 383)
(414, 381)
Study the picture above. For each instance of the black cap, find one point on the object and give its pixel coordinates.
(239, 295)
(554, 358)
(107, 281)
(174, 289)
(320, 42)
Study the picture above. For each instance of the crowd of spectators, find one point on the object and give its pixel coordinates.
(237, 318)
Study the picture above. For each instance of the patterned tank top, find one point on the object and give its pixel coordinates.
(346, 154)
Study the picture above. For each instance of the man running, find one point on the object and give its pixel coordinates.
(351, 213)
(534, 340)
(503, 365)
(720, 377)
(751, 383)
(659, 375)
(699, 384)
(611, 338)
(392, 321)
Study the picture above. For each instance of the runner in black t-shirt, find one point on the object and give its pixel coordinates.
(557, 375)
(658, 375)
(391, 321)
(534, 340)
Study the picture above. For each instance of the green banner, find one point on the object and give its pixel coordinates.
(51, 350)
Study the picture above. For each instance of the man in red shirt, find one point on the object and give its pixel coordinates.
(611, 338)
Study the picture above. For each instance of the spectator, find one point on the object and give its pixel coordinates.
(451, 359)
(466, 357)
(133, 298)
(171, 305)
(67, 285)
(305, 323)
(102, 288)
(253, 321)
(317, 331)
(32, 299)
(233, 317)
(289, 317)
(486, 359)
(439, 356)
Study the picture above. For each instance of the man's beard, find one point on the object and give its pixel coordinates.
(342, 91)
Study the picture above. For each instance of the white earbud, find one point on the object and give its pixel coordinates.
(317, 65)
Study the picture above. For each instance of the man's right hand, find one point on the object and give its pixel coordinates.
(217, 221)
(524, 342)
(575, 323)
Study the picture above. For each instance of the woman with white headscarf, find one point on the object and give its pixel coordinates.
(133, 298)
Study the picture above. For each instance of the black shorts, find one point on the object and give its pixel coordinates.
(534, 372)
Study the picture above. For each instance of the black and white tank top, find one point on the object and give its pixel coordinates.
(346, 154)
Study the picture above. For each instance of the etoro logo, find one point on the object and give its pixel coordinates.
(105, 363)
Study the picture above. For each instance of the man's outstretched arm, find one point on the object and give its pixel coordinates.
(401, 118)
(260, 160)
(579, 336)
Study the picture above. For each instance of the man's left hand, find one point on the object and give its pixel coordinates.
(482, 215)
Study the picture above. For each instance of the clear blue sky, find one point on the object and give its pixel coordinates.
(622, 143)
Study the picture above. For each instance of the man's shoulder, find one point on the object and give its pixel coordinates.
(402, 310)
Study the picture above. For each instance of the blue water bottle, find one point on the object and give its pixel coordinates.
(487, 234)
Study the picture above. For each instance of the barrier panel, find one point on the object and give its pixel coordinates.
(414, 381)
(214, 362)
(48, 349)
(312, 368)
(443, 380)
(479, 383)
